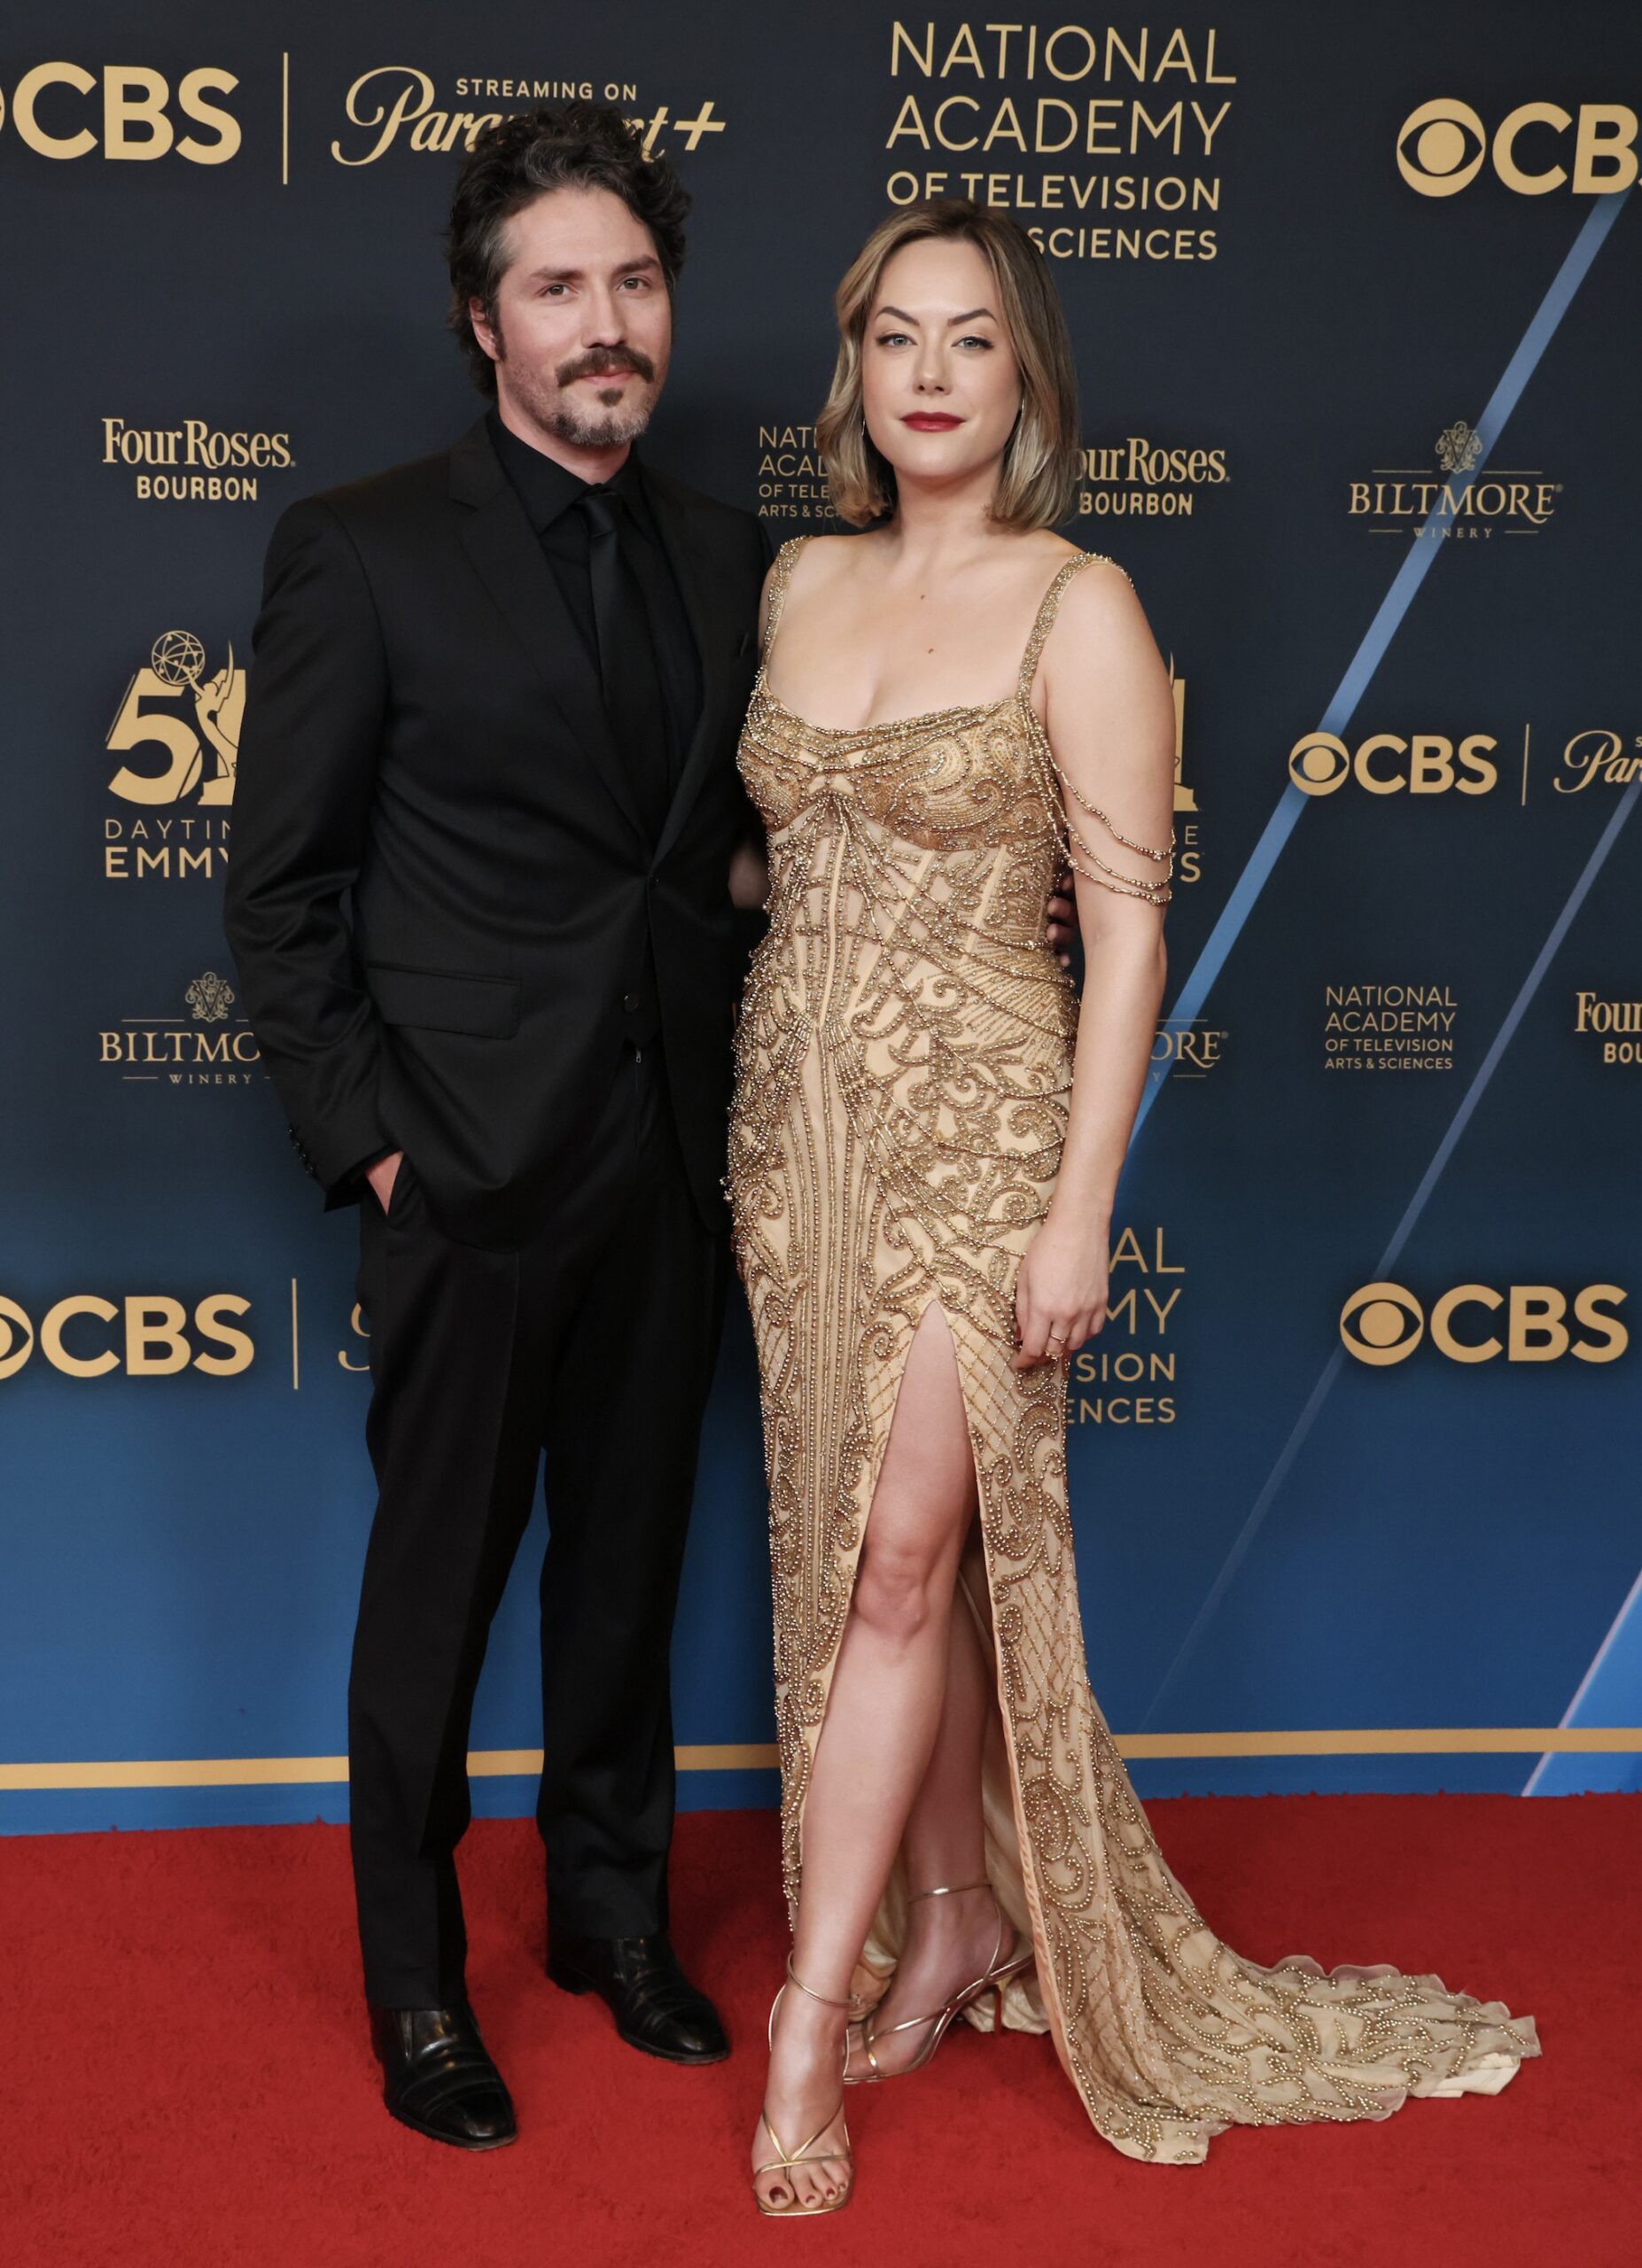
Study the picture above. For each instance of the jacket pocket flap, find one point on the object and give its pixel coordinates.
(485, 1006)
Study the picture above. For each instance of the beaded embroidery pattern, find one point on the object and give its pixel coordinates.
(903, 1078)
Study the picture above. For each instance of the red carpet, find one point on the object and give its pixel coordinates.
(188, 2079)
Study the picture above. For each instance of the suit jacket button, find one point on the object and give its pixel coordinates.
(630, 1002)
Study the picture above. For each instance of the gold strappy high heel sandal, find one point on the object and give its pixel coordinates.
(997, 1974)
(806, 2153)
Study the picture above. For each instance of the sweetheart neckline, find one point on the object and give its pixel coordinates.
(888, 724)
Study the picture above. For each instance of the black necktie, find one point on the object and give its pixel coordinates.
(627, 671)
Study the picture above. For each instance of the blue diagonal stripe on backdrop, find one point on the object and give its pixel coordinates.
(1281, 824)
(1570, 1715)
(1382, 629)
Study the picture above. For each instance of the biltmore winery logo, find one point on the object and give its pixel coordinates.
(176, 736)
(1453, 497)
(209, 1045)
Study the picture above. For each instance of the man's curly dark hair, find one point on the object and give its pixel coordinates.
(578, 145)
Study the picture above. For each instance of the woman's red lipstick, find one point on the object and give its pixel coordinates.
(931, 421)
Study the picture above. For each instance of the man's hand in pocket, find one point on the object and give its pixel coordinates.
(382, 1176)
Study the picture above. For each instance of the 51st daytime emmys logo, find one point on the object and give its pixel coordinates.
(177, 730)
(1008, 115)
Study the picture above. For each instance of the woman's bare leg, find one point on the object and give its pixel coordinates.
(945, 1841)
(883, 1714)
(949, 1941)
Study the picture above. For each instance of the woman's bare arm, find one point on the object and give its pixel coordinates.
(1110, 718)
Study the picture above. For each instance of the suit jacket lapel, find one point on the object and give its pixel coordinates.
(714, 627)
(502, 545)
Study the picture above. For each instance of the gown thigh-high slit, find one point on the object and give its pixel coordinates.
(904, 1062)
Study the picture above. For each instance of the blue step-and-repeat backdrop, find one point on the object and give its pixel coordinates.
(1355, 296)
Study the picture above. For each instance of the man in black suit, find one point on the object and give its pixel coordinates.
(484, 828)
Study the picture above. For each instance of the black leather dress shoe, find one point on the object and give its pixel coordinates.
(437, 2079)
(655, 2004)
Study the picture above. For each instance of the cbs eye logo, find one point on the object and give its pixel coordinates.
(1425, 764)
(1383, 1324)
(1319, 763)
(1441, 146)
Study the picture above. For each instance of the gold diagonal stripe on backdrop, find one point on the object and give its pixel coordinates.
(501, 1763)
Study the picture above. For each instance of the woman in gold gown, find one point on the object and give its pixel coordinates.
(925, 1144)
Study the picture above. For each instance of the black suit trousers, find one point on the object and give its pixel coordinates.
(586, 1355)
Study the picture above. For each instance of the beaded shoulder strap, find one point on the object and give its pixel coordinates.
(1044, 622)
(1090, 865)
(781, 575)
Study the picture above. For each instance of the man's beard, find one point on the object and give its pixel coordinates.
(613, 430)
(587, 429)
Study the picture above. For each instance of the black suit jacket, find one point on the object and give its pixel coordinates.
(440, 890)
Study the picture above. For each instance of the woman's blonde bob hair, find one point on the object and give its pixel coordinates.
(1043, 459)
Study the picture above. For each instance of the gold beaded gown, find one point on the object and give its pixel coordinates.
(904, 1072)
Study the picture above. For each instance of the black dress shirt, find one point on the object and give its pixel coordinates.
(549, 494)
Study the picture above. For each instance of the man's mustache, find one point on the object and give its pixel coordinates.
(608, 364)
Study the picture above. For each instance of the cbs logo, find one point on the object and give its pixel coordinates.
(1441, 146)
(1426, 763)
(153, 1340)
(133, 120)
(1383, 1324)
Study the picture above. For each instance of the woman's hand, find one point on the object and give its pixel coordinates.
(1060, 1291)
(1060, 917)
(750, 873)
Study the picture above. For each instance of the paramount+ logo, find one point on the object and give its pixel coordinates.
(125, 111)
(1383, 1324)
(1441, 146)
(1391, 764)
(144, 1336)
